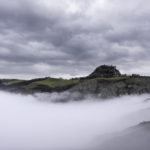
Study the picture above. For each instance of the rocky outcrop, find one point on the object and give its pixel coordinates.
(105, 71)
(112, 87)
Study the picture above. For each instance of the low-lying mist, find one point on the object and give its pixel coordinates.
(36, 122)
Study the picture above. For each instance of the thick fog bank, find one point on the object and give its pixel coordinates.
(27, 123)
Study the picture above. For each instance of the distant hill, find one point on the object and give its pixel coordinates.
(105, 81)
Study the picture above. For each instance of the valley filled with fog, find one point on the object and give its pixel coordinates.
(42, 122)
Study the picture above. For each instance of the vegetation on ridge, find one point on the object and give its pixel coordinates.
(106, 80)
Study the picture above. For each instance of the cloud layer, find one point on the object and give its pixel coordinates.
(35, 122)
(70, 38)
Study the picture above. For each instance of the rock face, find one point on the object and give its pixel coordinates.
(105, 71)
(113, 87)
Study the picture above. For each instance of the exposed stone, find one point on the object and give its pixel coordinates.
(105, 71)
(107, 88)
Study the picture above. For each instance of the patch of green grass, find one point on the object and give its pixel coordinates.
(30, 86)
(10, 82)
(127, 79)
(52, 82)
(109, 79)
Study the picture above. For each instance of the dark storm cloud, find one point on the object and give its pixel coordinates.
(70, 38)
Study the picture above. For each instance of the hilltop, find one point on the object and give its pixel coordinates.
(105, 81)
(105, 71)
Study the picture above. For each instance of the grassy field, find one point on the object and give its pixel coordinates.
(13, 81)
(59, 82)
(51, 82)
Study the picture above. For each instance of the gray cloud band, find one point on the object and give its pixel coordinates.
(74, 37)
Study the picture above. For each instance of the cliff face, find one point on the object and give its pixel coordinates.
(113, 87)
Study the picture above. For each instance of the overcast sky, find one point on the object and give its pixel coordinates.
(70, 38)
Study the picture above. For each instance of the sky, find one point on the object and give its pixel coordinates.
(70, 38)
